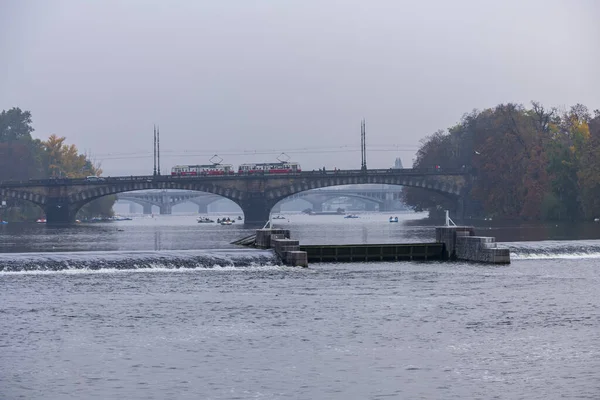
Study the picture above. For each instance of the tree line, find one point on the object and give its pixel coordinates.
(532, 163)
(22, 158)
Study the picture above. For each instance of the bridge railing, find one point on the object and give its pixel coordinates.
(170, 178)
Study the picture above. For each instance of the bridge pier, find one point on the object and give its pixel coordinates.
(60, 213)
(316, 206)
(132, 208)
(202, 208)
(370, 206)
(256, 210)
(147, 209)
(460, 208)
(387, 205)
(166, 209)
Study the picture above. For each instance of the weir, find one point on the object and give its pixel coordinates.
(453, 243)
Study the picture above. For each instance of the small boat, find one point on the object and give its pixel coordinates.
(239, 218)
(351, 216)
(3, 222)
(41, 221)
(204, 220)
(225, 221)
(393, 219)
(278, 217)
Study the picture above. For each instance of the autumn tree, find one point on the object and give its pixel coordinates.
(23, 158)
(589, 172)
(64, 161)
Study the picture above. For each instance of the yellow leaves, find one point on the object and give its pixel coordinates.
(582, 129)
(64, 160)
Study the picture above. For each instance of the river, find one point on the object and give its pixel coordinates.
(166, 308)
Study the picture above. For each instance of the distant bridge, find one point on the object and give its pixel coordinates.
(255, 194)
(166, 200)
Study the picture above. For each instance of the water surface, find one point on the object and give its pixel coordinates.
(167, 308)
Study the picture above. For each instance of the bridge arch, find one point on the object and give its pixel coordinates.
(36, 199)
(165, 201)
(202, 189)
(314, 198)
(447, 189)
(32, 197)
(95, 192)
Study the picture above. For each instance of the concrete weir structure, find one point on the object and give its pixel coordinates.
(288, 250)
(462, 244)
(452, 243)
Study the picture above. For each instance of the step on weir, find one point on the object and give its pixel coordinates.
(288, 250)
(462, 244)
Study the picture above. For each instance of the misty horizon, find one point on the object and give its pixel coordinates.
(250, 80)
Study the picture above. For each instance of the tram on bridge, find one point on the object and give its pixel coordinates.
(244, 169)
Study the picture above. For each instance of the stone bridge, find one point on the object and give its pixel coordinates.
(255, 194)
(166, 200)
(384, 198)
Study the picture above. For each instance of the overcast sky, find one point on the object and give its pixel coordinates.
(233, 77)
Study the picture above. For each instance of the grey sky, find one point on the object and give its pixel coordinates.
(228, 76)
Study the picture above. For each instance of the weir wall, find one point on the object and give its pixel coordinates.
(462, 244)
(287, 249)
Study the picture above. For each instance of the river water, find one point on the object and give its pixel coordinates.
(166, 308)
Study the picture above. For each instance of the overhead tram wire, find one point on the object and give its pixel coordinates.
(148, 155)
(314, 150)
(386, 147)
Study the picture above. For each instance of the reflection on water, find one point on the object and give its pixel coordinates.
(182, 232)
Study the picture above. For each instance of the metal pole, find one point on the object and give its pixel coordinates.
(363, 145)
(154, 157)
(158, 147)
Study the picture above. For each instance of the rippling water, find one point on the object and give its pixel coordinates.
(165, 308)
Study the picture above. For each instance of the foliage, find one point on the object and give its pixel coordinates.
(23, 158)
(15, 125)
(531, 163)
(64, 161)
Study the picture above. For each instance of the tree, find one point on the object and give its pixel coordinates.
(15, 125)
(438, 149)
(63, 160)
(589, 173)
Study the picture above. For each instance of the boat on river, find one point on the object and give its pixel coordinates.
(351, 216)
(204, 220)
(393, 219)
